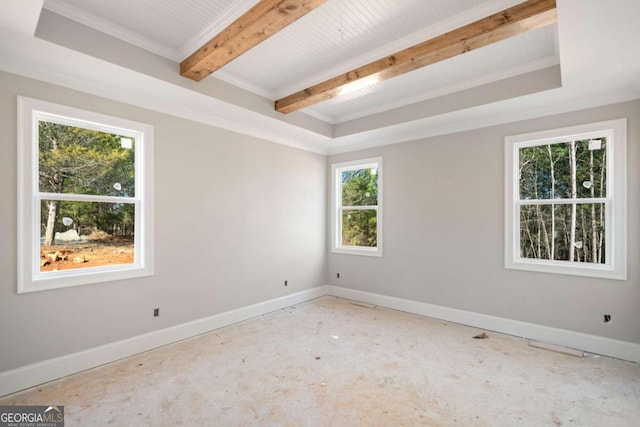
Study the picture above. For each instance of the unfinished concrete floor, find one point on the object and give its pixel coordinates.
(329, 362)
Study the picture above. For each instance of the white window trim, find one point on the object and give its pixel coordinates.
(30, 279)
(336, 206)
(616, 213)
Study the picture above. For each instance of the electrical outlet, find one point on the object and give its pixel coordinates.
(607, 318)
(286, 283)
(156, 312)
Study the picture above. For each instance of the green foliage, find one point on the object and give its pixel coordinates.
(359, 188)
(83, 161)
(75, 160)
(112, 218)
(359, 228)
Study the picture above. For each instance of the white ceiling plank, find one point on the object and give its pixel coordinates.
(595, 42)
(340, 35)
(218, 24)
(264, 20)
(499, 61)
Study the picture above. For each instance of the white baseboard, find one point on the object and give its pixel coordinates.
(590, 343)
(38, 373)
(52, 369)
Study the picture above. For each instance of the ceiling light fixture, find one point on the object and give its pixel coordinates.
(359, 84)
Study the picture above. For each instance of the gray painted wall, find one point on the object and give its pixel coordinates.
(444, 227)
(234, 217)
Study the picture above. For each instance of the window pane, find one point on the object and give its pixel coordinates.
(545, 232)
(359, 228)
(563, 170)
(591, 168)
(360, 187)
(85, 234)
(83, 161)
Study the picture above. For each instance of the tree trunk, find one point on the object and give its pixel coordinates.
(52, 205)
(531, 243)
(585, 248)
(552, 252)
(542, 228)
(594, 229)
(602, 194)
(52, 217)
(574, 193)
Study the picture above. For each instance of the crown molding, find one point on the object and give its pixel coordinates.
(45, 61)
(85, 18)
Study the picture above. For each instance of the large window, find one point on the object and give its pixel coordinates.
(566, 200)
(357, 207)
(84, 190)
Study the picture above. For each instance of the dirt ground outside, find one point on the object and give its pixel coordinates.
(91, 253)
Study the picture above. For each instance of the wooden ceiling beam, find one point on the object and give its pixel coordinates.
(518, 19)
(258, 24)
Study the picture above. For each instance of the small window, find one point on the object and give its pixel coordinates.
(84, 190)
(566, 200)
(357, 207)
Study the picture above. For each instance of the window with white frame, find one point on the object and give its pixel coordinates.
(84, 197)
(566, 200)
(357, 207)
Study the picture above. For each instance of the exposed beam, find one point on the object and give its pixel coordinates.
(518, 19)
(258, 24)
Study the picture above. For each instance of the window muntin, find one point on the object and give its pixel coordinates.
(554, 178)
(566, 201)
(357, 219)
(84, 197)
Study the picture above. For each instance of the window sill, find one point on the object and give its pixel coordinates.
(356, 250)
(66, 278)
(564, 267)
